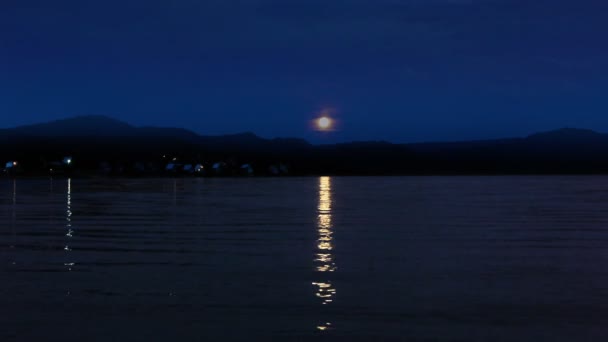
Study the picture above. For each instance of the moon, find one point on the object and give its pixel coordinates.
(324, 123)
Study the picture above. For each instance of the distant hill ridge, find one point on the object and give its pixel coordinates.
(100, 125)
(95, 138)
(569, 135)
(96, 125)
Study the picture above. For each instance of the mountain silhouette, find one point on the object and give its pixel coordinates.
(98, 139)
(89, 125)
(568, 135)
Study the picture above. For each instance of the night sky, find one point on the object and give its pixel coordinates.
(397, 70)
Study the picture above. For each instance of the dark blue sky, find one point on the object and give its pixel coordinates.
(397, 70)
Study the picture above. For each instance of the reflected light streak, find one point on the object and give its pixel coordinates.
(14, 216)
(14, 192)
(68, 224)
(323, 259)
(324, 228)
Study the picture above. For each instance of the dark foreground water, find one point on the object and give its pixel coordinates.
(405, 259)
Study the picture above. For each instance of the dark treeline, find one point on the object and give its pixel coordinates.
(103, 146)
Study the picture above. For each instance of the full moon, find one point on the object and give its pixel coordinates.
(324, 123)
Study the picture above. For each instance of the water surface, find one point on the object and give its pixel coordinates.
(399, 258)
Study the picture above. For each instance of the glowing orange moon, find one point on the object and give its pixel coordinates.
(324, 123)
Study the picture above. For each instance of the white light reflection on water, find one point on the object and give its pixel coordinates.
(324, 259)
(14, 217)
(14, 192)
(68, 224)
